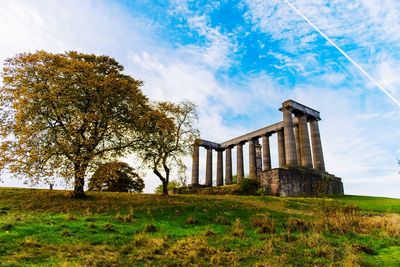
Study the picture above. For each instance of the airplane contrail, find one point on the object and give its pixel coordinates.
(344, 54)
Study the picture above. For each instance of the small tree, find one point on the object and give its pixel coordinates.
(116, 176)
(59, 113)
(169, 137)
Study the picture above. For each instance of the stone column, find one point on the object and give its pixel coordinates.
(297, 138)
(252, 160)
(266, 153)
(281, 148)
(195, 165)
(318, 157)
(290, 143)
(239, 163)
(220, 168)
(209, 167)
(305, 149)
(228, 165)
(258, 158)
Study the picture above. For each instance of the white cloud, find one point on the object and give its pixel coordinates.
(362, 22)
(277, 19)
(388, 70)
(169, 77)
(56, 26)
(218, 47)
(362, 28)
(216, 53)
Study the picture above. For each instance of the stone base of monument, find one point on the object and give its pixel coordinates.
(297, 181)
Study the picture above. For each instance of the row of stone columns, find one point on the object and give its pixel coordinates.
(266, 159)
(293, 149)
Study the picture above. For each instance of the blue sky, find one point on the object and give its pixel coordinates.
(238, 60)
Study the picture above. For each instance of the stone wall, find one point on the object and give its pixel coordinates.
(299, 182)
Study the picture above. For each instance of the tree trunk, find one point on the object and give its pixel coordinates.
(165, 188)
(79, 182)
(164, 182)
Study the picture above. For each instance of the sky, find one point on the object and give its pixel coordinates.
(238, 60)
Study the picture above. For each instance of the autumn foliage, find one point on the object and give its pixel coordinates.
(61, 114)
(168, 138)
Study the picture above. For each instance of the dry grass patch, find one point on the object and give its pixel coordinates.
(349, 219)
(297, 225)
(191, 250)
(191, 220)
(237, 228)
(263, 223)
(339, 220)
(143, 247)
(31, 242)
(389, 223)
(222, 220)
(127, 218)
(195, 251)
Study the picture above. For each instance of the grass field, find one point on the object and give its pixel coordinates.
(46, 228)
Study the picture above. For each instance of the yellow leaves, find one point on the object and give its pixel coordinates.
(168, 136)
(66, 108)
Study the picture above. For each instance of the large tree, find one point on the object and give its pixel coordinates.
(169, 137)
(61, 113)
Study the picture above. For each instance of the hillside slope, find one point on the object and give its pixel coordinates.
(46, 228)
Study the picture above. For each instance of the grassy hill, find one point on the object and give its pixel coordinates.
(46, 228)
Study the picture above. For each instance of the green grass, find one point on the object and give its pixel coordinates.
(376, 204)
(386, 257)
(47, 228)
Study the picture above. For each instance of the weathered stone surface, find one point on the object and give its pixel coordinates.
(195, 165)
(255, 134)
(220, 168)
(209, 167)
(252, 160)
(300, 182)
(266, 154)
(290, 142)
(228, 166)
(281, 148)
(297, 138)
(239, 162)
(318, 157)
(297, 107)
(304, 139)
(258, 148)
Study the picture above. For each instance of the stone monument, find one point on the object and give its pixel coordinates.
(301, 170)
